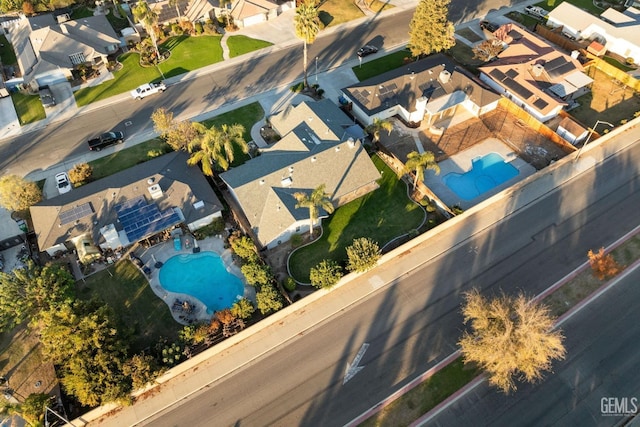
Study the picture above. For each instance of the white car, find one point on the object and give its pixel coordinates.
(62, 183)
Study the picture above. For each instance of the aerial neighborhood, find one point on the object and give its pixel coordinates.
(198, 191)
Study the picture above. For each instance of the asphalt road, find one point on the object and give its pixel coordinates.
(415, 322)
(602, 361)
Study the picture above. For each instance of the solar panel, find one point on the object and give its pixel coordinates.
(540, 103)
(365, 93)
(554, 63)
(512, 73)
(498, 75)
(75, 213)
(517, 88)
(139, 219)
(563, 69)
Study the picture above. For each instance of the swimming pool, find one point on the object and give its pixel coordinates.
(203, 276)
(486, 173)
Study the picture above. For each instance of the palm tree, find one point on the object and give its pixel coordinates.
(307, 26)
(149, 19)
(317, 199)
(418, 162)
(216, 146)
(378, 125)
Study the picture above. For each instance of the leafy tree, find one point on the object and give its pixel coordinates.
(142, 369)
(317, 199)
(242, 309)
(307, 26)
(268, 299)
(511, 338)
(31, 410)
(487, 50)
(82, 339)
(26, 292)
(143, 14)
(244, 247)
(602, 264)
(18, 194)
(216, 146)
(326, 274)
(257, 274)
(418, 162)
(430, 31)
(80, 174)
(177, 134)
(377, 126)
(363, 254)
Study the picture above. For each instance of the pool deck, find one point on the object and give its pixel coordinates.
(461, 163)
(175, 301)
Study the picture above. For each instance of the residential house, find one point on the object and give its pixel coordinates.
(317, 147)
(618, 31)
(535, 75)
(126, 207)
(244, 12)
(47, 51)
(421, 92)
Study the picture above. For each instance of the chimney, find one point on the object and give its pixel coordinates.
(444, 76)
(537, 70)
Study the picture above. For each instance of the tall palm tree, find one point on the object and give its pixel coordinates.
(378, 125)
(149, 19)
(317, 199)
(418, 162)
(216, 146)
(307, 26)
(175, 4)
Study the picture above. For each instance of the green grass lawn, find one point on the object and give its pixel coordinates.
(190, 53)
(129, 157)
(381, 65)
(7, 55)
(336, 12)
(28, 108)
(143, 316)
(187, 54)
(381, 215)
(239, 45)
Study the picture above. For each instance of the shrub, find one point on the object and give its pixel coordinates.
(198, 28)
(298, 87)
(289, 284)
(80, 174)
(326, 274)
(363, 254)
(242, 309)
(269, 299)
(176, 29)
(603, 265)
(256, 274)
(244, 247)
(296, 240)
(320, 92)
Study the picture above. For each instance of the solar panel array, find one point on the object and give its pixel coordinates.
(517, 88)
(559, 66)
(75, 213)
(139, 219)
(540, 103)
(362, 96)
(512, 73)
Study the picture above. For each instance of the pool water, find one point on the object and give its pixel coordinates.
(486, 173)
(203, 276)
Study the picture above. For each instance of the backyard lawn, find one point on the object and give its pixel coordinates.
(381, 215)
(144, 318)
(239, 45)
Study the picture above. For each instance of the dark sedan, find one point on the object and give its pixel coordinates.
(366, 50)
(489, 26)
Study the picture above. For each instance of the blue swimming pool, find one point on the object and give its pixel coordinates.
(203, 276)
(486, 173)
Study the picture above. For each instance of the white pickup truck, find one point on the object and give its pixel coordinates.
(147, 89)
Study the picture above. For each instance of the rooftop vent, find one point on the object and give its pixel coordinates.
(314, 158)
(338, 148)
(262, 182)
(537, 70)
(286, 182)
(151, 180)
(155, 191)
(351, 142)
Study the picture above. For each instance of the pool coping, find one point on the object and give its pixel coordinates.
(163, 251)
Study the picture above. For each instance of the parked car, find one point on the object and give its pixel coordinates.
(489, 26)
(104, 140)
(46, 96)
(147, 89)
(62, 183)
(366, 50)
(536, 11)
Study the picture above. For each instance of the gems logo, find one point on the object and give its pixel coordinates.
(618, 406)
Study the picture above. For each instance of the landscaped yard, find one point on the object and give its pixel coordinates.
(239, 45)
(336, 12)
(144, 317)
(382, 65)
(190, 53)
(128, 157)
(381, 215)
(28, 108)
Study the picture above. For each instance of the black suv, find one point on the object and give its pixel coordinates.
(489, 26)
(104, 140)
